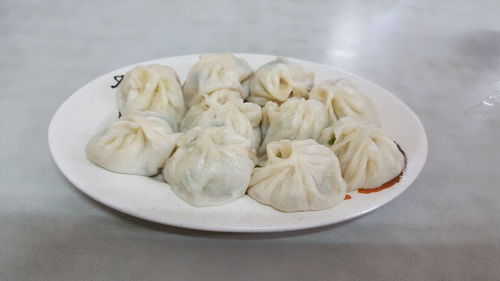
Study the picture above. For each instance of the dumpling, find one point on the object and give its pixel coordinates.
(226, 108)
(368, 157)
(137, 144)
(254, 114)
(216, 72)
(216, 97)
(295, 119)
(211, 166)
(278, 80)
(152, 88)
(221, 97)
(298, 176)
(344, 99)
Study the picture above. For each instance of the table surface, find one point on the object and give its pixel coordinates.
(442, 58)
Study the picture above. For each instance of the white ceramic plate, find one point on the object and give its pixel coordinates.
(93, 107)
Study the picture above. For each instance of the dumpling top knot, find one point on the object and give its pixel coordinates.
(217, 72)
(278, 80)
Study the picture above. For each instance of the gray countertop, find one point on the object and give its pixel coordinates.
(442, 58)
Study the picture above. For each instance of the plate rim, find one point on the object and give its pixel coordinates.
(238, 229)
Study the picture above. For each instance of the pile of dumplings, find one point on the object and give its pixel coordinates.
(229, 131)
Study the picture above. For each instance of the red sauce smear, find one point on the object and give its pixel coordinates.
(347, 197)
(389, 183)
(382, 187)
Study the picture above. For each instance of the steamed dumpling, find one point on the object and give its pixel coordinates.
(152, 88)
(295, 119)
(344, 99)
(368, 157)
(216, 97)
(216, 72)
(226, 108)
(298, 176)
(136, 144)
(278, 80)
(211, 166)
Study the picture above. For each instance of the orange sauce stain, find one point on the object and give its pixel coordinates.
(347, 197)
(382, 187)
(389, 183)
